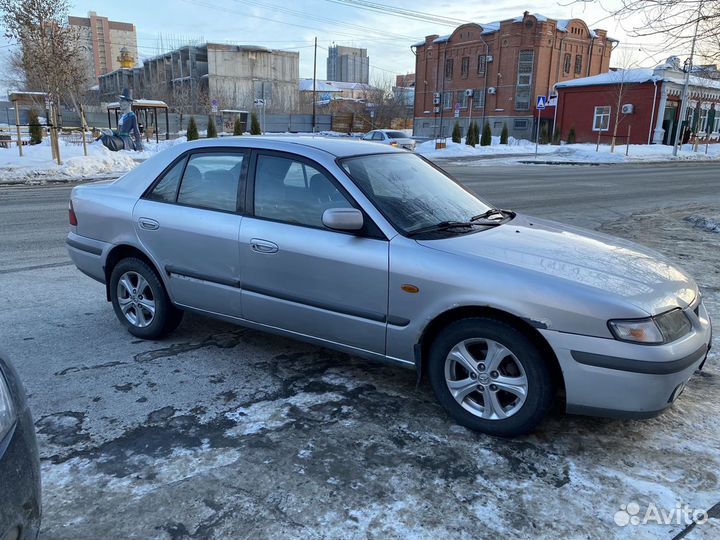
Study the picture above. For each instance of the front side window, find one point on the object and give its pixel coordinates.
(211, 181)
(601, 121)
(410, 192)
(294, 192)
(378, 136)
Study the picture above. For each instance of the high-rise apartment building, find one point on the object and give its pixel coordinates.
(348, 64)
(102, 40)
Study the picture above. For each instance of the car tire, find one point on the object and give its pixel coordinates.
(506, 364)
(140, 300)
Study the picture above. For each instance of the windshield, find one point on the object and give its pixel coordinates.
(411, 193)
(396, 135)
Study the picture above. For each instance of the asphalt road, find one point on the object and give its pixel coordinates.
(33, 219)
(223, 432)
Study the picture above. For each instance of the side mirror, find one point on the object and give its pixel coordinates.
(343, 219)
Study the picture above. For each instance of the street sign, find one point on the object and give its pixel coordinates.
(457, 110)
(214, 105)
(552, 101)
(541, 103)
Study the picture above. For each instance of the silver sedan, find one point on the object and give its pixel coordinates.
(390, 137)
(377, 252)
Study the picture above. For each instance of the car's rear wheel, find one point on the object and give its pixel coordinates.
(140, 300)
(490, 377)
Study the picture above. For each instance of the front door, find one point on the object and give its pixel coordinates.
(189, 223)
(300, 276)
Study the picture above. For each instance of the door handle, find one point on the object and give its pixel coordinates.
(148, 224)
(263, 246)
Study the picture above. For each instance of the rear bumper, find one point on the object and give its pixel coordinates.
(605, 377)
(88, 255)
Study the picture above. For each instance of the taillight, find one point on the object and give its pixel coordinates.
(72, 216)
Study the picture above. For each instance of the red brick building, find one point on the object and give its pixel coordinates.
(646, 100)
(495, 71)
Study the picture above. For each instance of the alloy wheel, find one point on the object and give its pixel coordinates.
(486, 378)
(136, 299)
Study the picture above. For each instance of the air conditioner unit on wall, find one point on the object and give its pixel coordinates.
(469, 92)
(436, 101)
(492, 90)
(628, 108)
(436, 109)
(489, 58)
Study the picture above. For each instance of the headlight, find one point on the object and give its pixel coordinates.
(7, 411)
(662, 328)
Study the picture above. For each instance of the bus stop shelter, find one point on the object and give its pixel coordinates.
(146, 111)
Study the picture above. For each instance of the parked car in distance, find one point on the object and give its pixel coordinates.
(390, 137)
(377, 252)
(19, 462)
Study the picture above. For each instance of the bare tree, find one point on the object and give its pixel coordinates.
(676, 21)
(50, 55)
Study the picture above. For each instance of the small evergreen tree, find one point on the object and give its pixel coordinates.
(470, 135)
(254, 125)
(556, 138)
(544, 135)
(456, 133)
(486, 139)
(476, 134)
(192, 130)
(237, 126)
(211, 130)
(571, 135)
(35, 128)
(504, 135)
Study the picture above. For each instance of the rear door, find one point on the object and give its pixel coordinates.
(189, 222)
(300, 276)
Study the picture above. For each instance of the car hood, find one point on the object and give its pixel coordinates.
(588, 259)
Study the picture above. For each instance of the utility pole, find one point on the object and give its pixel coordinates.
(314, 96)
(686, 89)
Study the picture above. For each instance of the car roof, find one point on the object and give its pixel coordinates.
(336, 146)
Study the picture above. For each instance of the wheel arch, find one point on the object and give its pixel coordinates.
(441, 321)
(124, 251)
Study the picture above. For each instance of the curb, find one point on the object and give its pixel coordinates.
(615, 163)
(35, 182)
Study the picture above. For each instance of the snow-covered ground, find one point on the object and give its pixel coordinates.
(572, 153)
(37, 165)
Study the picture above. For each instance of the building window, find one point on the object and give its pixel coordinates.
(465, 67)
(716, 126)
(702, 125)
(448, 68)
(482, 64)
(462, 99)
(447, 100)
(601, 122)
(478, 98)
(520, 124)
(524, 80)
(578, 64)
(566, 63)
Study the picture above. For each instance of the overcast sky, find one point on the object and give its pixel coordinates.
(293, 25)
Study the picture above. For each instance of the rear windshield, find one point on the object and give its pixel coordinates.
(396, 134)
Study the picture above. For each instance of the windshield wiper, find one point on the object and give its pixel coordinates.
(492, 212)
(446, 225)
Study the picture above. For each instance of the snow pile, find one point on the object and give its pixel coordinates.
(710, 224)
(514, 146)
(37, 164)
(638, 153)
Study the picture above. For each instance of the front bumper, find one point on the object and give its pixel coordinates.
(606, 377)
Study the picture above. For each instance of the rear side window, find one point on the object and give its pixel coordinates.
(211, 181)
(166, 189)
(396, 134)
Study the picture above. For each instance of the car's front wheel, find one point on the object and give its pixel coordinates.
(490, 377)
(140, 301)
